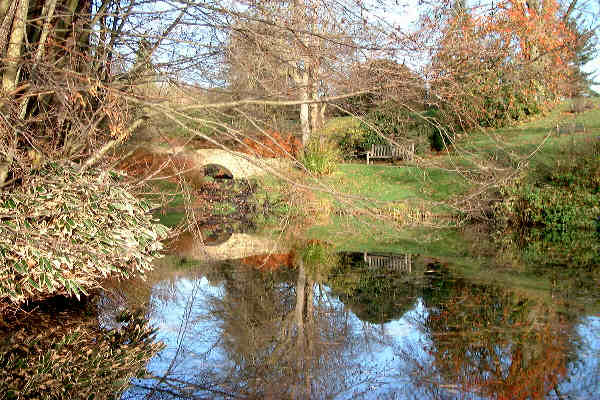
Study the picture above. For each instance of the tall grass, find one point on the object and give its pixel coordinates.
(319, 157)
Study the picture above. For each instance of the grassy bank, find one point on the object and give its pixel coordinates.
(382, 197)
(473, 161)
(427, 191)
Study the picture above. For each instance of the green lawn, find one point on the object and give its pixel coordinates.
(444, 177)
(507, 146)
(338, 126)
(391, 183)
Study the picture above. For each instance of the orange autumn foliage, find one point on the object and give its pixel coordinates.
(543, 37)
(270, 262)
(143, 162)
(538, 37)
(502, 354)
(271, 144)
(495, 66)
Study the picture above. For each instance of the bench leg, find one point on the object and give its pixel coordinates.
(367, 158)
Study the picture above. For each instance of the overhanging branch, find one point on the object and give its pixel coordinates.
(275, 102)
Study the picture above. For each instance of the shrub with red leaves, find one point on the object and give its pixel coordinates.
(272, 144)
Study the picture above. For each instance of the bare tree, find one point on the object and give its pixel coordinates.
(293, 50)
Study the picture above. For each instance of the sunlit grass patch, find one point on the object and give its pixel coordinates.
(388, 183)
(339, 125)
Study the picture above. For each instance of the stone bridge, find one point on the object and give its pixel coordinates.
(240, 165)
(239, 245)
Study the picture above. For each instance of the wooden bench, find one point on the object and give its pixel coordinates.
(384, 151)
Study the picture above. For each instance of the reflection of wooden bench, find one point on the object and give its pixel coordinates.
(384, 151)
(396, 262)
(562, 129)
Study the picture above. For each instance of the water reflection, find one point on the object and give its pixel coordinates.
(55, 350)
(492, 342)
(315, 324)
(255, 335)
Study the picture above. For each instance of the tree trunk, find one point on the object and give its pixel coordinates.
(304, 109)
(15, 44)
(322, 114)
(4, 4)
(314, 115)
(300, 300)
(47, 14)
(5, 27)
(314, 107)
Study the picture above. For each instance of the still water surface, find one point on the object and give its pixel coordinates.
(313, 323)
(269, 319)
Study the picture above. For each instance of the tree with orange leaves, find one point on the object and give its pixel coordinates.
(493, 341)
(546, 42)
(496, 65)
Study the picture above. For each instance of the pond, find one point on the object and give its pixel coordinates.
(272, 319)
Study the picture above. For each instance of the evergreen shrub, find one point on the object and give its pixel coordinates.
(65, 231)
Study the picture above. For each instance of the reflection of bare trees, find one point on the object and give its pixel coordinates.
(282, 337)
(276, 335)
(284, 334)
(159, 287)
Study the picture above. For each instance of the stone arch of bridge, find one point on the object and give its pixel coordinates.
(238, 164)
(237, 246)
(208, 169)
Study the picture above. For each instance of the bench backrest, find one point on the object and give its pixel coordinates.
(386, 150)
(381, 150)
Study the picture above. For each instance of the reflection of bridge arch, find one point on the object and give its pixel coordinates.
(239, 245)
